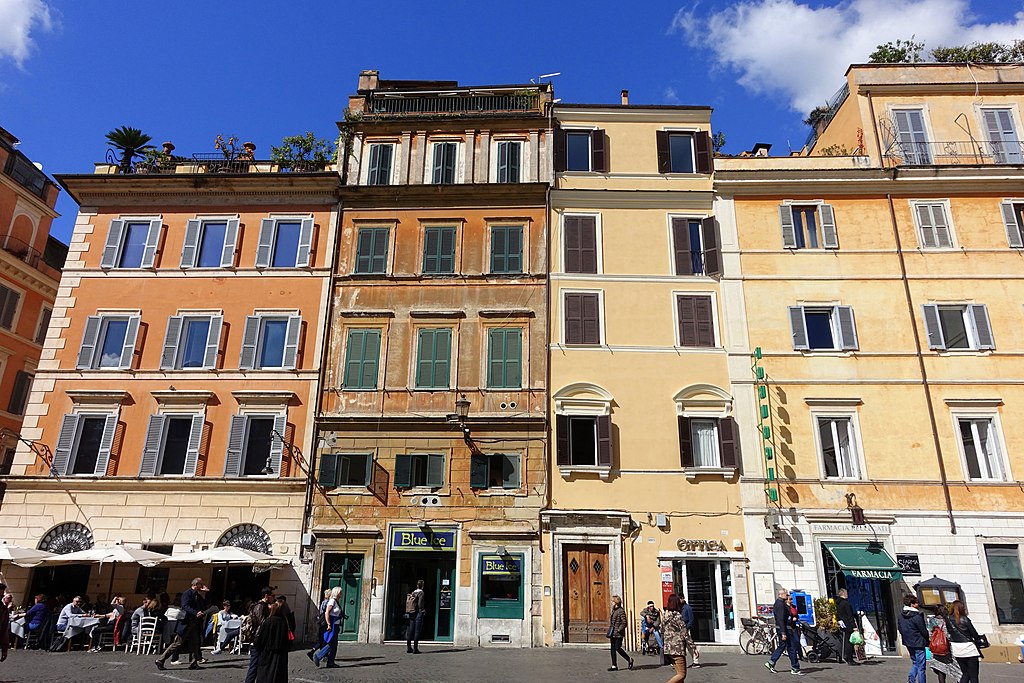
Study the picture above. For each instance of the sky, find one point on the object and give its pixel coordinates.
(186, 71)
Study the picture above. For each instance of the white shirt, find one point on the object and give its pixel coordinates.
(334, 609)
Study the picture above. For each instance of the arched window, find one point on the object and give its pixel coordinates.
(65, 538)
(248, 536)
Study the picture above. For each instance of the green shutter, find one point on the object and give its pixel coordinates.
(504, 358)
(403, 471)
(510, 471)
(433, 363)
(435, 470)
(507, 249)
(361, 359)
(328, 470)
(372, 251)
(478, 472)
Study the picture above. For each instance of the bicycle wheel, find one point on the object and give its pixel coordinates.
(745, 639)
(756, 645)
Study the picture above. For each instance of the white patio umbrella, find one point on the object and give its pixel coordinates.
(114, 554)
(228, 554)
(23, 557)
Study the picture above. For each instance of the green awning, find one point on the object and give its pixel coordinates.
(865, 560)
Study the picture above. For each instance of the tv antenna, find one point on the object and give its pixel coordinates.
(543, 76)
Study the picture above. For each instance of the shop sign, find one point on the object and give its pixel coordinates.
(871, 574)
(690, 545)
(668, 586)
(496, 565)
(909, 563)
(423, 539)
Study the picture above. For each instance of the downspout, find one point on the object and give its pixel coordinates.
(920, 362)
(548, 472)
(878, 145)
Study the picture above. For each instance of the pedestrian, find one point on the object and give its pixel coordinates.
(676, 636)
(616, 632)
(847, 625)
(333, 616)
(915, 638)
(415, 612)
(273, 643)
(258, 613)
(287, 613)
(943, 663)
(321, 625)
(689, 619)
(650, 623)
(189, 630)
(5, 624)
(963, 638)
(789, 636)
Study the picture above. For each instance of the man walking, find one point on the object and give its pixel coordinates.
(915, 638)
(415, 610)
(847, 625)
(189, 630)
(789, 635)
(258, 613)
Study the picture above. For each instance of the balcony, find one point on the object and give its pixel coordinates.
(973, 152)
(26, 174)
(454, 104)
(52, 259)
(211, 163)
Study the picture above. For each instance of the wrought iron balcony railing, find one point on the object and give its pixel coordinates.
(954, 152)
(411, 104)
(217, 163)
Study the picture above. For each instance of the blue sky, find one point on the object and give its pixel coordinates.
(70, 70)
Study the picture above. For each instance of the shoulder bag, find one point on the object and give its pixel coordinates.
(938, 643)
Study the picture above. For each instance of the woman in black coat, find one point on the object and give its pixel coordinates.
(273, 644)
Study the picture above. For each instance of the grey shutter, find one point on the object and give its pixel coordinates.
(266, 243)
(190, 248)
(1013, 233)
(847, 328)
(982, 326)
(438, 167)
(503, 161)
(130, 335)
(829, 236)
(368, 472)
(598, 151)
(213, 342)
(65, 442)
(236, 443)
(305, 243)
(705, 158)
(106, 443)
(664, 153)
(227, 257)
(942, 237)
(729, 443)
(291, 342)
(8, 306)
(562, 440)
(169, 357)
(152, 240)
(604, 441)
(113, 245)
(510, 471)
(478, 471)
(151, 447)
(798, 326)
(87, 352)
(250, 337)
(277, 444)
(559, 153)
(685, 442)
(924, 217)
(403, 471)
(681, 246)
(788, 231)
(933, 327)
(712, 247)
(195, 440)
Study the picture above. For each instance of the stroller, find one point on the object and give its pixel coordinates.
(821, 646)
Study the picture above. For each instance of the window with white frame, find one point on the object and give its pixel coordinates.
(1007, 581)
(1012, 211)
(210, 243)
(255, 445)
(444, 161)
(808, 226)
(837, 446)
(980, 442)
(509, 161)
(108, 342)
(584, 440)
(1003, 139)
(707, 442)
(823, 328)
(912, 136)
(172, 445)
(285, 243)
(131, 243)
(84, 444)
(933, 225)
(192, 342)
(958, 327)
(270, 341)
(494, 471)
(380, 163)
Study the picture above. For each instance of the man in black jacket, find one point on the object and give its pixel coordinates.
(789, 635)
(847, 625)
(189, 630)
(915, 637)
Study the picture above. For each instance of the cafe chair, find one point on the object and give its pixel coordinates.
(146, 637)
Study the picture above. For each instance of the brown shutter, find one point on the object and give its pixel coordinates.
(685, 442)
(687, 321)
(588, 244)
(681, 246)
(598, 153)
(573, 255)
(562, 439)
(560, 155)
(591, 319)
(573, 315)
(729, 442)
(664, 157)
(712, 247)
(604, 441)
(705, 163)
(705, 328)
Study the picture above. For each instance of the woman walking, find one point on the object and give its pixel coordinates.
(616, 632)
(273, 644)
(962, 642)
(332, 617)
(944, 665)
(676, 636)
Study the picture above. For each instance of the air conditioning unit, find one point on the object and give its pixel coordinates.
(429, 501)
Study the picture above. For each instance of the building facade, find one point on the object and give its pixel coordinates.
(433, 438)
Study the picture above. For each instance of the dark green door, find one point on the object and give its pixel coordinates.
(346, 571)
(445, 613)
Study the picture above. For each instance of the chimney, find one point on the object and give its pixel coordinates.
(368, 80)
(625, 97)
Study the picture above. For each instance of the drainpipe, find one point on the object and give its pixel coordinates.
(548, 472)
(878, 145)
(921, 364)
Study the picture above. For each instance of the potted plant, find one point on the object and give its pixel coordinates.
(304, 152)
(131, 143)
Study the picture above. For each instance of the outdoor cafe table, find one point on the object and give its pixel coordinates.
(79, 624)
(18, 627)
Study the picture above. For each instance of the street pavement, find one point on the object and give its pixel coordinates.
(390, 663)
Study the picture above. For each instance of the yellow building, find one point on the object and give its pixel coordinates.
(883, 289)
(644, 496)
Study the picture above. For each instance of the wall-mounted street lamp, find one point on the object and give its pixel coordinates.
(856, 511)
(459, 417)
(268, 469)
(38, 448)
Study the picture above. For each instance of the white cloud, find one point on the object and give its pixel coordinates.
(18, 20)
(670, 95)
(790, 49)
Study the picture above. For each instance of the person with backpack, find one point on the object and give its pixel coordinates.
(942, 662)
(415, 611)
(333, 616)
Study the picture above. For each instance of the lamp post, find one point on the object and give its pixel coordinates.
(296, 454)
(462, 405)
(38, 448)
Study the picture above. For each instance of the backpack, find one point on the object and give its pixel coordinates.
(410, 603)
(938, 643)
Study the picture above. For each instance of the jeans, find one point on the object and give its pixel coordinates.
(254, 660)
(790, 645)
(617, 648)
(413, 630)
(330, 648)
(969, 666)
(224, 635)
(918, 665)
(646, 629)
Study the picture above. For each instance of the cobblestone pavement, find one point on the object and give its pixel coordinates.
(390, 663)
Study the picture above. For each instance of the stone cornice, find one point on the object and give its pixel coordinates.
(905, 181)
(491, 195)
(144, 485)
(691, 200)
(26, 275)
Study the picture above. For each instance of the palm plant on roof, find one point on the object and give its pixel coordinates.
(131, 142)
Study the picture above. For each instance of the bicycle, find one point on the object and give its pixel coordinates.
(758, 636)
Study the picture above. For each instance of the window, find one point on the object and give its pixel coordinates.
(911, 136)
(210, 243)
(372, 251)
(19, 393)
(433, 358)
(172, 445)
(108, 342)
(577, 144)
(44, 324)
(933, 226)
(1002, 136)
(1013, 221)
(284, 243)
(362, 356)
(580, 150)
(507, 249)
(981, 448)
(684, 152)
(8, 307)
(958, 327)
(419, 469)
(823, 328)
(501, 586)
(439, 251)
(192, 342)
(1004, 572)
(695, 244)
(696, 321)
(131, 243)
(584, 440)
(708, 442)
(7, 461)
(255, 445)
(839, 454)
(345, 469)
(494, 471)
(580, 244)
(270, 341)
(505, 358)
(84, 443)
(582, 318)
(509, 155)
(380, 164)
(444, 162)
(808, 226)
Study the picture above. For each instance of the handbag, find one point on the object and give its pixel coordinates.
(964, 650)
(981, 642)
(938, 643)
(611, 632)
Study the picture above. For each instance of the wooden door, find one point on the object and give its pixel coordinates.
(586, 593)
(347, 571)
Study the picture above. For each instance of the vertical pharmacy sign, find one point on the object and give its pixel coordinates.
(764, 427)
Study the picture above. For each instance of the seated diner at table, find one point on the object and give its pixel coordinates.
(36, 619)
(108, 622)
